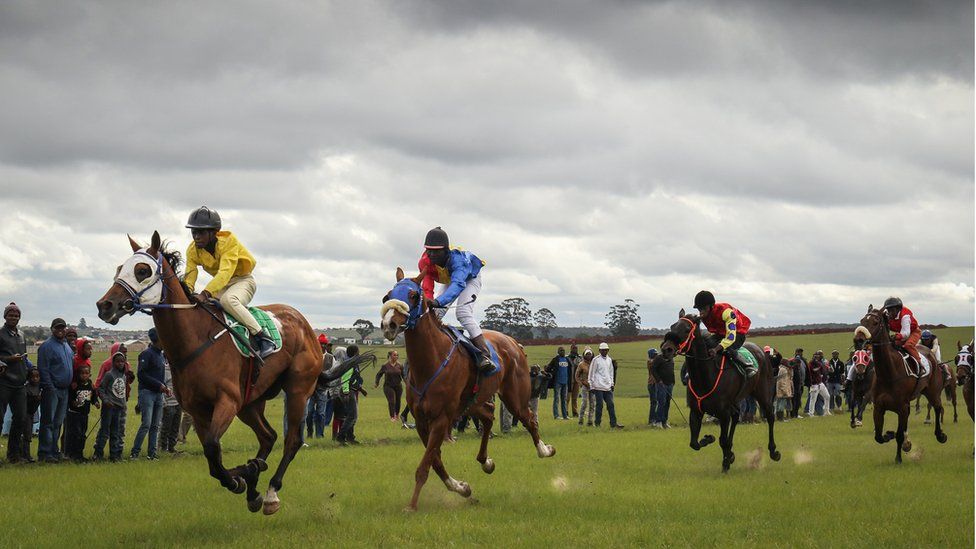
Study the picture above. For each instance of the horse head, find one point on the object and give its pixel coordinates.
(862, 361)
(873, 327)
(680, 336)
(964, 361)
(138, 282)
(402, 306)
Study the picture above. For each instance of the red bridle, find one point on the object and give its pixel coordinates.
(683, 349)
(686, 344)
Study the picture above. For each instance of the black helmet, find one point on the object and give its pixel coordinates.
(203, 218)
(704, 299)
(893, 303)
(436, 238)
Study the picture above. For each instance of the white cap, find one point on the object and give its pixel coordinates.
(604, 346)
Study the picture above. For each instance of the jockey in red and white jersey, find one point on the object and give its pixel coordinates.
(902, 321)
(728, 325)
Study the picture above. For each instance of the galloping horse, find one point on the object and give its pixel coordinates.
(443, 382)
(964, 374)
(711, 391)
(863, 377)
(894, 389)
(210, 377)
(949, 387)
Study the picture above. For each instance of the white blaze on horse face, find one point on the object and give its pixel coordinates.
(150, 285)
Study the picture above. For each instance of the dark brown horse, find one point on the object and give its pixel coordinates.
(716, 388)
(964, 374)
(894, 389)
(210, 377)
(444, 383)
(949, 388)
(863, 378)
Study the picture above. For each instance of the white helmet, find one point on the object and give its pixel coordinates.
(604, 346)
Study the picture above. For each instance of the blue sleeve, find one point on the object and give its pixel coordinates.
(43, 364)
(460, 271)
(148, 360)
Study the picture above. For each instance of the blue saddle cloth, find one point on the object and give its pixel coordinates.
(458, 336)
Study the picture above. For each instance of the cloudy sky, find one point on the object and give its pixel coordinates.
(800, 159)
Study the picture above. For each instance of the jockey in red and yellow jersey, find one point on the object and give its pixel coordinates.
(728, 326)
(902, 321)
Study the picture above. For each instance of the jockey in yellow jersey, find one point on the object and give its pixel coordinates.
(230, 264)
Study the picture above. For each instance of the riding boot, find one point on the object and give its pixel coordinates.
(747, 369)
(263, 343)
(486, 366)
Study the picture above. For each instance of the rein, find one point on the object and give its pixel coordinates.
(683, 348)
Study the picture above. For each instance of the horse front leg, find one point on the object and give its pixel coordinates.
(209, 431)
(880, 438)
(901, 436)
(435, 437)
(724, 441)
(694, 424)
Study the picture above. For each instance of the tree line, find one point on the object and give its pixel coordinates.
(514, 317)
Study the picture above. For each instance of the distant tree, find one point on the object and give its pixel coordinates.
(512, 317)
(581, 335)
(82, 325)
(544, 321)
(494, 318)
(623, 320)
(363, 327)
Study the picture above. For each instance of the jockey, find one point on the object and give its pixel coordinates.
(461, 272)
(728, 326)
(902, 321)
(230, 265)
(931, 341)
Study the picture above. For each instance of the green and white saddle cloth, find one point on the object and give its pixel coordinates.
(265, 319)
(746, 357)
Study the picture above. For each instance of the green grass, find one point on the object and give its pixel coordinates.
(834, 486)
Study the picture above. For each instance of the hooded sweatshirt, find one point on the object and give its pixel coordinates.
(114, 387)
(80, 362)
(107, 365)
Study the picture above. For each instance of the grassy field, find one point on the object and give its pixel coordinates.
(638, 486)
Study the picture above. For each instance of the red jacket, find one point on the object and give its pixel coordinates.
(895, 323)
(79, 362)
(716, 324)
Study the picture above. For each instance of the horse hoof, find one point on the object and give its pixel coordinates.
(464, 490)
(239, 485)
(706, 440)
(410, 509)
(488, 466)
(271, 507)
(906, 446)
(927, 422)
(942, 438)
(731, 458)
(255, 505)
(775, 455)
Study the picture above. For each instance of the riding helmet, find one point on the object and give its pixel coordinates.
(704, 299)
(436, 239)
(893, 303)
(651, 353)
(204, 218)
(927, 334)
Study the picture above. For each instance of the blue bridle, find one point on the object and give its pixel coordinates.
(136, 296)
(401, 292)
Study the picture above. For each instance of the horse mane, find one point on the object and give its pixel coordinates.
(175, 260)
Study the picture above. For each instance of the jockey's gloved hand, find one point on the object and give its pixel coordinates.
(432, 304)
(202, 297)
(899, 339)
(717, 350)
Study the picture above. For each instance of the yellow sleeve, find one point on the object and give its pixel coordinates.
(228, 266)
(190, 278)
(728, 318)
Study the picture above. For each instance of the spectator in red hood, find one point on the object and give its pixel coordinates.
(83, 353)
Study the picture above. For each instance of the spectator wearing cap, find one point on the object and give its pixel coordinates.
(14, 366)
(71, 338)
(601, 384)
(54, 361)
(152, 388)
(651, 387)
(663, 367)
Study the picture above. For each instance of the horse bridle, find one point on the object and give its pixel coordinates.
(685, 345)
(135, 303)
(881, 314)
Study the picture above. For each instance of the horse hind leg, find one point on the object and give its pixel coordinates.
(524, 414)
(295, 412)
(487, 419)
(767, 408)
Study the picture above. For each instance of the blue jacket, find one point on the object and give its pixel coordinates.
(152, 370)
(463, 266)
(54, 362)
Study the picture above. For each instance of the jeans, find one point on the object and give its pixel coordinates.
(601, 397)
(351, 407)
(663, 402)
(15, 398)
(559, 393)
(836, 400)
(104, 432)
(652, 394)
(318, 413)
(747, 408)
(170, 428)
(151, 405)
(113, 424)
(54, 405)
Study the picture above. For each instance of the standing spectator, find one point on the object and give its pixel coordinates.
(539, 380)
(186, 423)
(664, 375)
(172, 413)
(14, 368)
(574, 387)
(102, 438)
(784, 390)
(349, 388)
(152, 389)
(392, 374)
(318, 413)
(582, 379)
(835, 380)
(799, 379)
(406, 405)
(71, 338)
(559, 368)
(81, 396)
(113, 392)
(54, 360)
(33, 398)
(601, 383)
(651, 387)
(817, 369)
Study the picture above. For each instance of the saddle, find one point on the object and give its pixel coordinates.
(265, 319)
(458, 338)
(913, 368)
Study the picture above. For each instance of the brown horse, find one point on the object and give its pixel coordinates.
(863, 378)
(444, 383)
(964, 374)
(949, 388)
(894, 389)
(210, 377)
(716, 389)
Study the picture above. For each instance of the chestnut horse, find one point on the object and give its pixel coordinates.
(210, 377)
(442, 380)
(716, 388)
(964, 374)
(894, 390)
